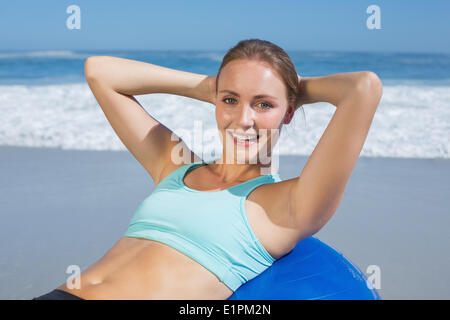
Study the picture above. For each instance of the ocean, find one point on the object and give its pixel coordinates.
(45, 102)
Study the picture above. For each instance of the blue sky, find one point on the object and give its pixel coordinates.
(406, 26)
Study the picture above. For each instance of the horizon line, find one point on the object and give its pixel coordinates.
(220, 50)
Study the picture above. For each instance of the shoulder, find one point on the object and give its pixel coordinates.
(170, 167)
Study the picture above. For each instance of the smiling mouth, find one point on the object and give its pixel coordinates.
(244, 142)
(239, 139)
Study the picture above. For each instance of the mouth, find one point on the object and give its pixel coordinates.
(244, 141)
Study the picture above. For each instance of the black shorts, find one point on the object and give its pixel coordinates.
(58, 295)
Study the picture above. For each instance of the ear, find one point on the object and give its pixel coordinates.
(289, 115)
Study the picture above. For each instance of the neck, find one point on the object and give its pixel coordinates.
(230, 172)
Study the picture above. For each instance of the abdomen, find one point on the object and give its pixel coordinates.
(136, 268)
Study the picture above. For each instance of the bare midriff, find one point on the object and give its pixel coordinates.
(136, 268)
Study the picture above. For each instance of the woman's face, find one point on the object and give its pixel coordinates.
(251, 101)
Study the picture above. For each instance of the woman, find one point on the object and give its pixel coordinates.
(207, 228)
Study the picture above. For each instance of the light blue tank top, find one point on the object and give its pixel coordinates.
(209, 227)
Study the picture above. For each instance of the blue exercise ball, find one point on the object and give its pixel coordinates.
(311, 271)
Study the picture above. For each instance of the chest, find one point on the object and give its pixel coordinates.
(226, 221)
(220, 215)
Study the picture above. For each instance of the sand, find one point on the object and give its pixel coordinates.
(60, 208)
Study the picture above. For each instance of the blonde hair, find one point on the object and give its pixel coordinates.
(276, 57)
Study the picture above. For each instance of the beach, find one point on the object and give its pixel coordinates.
(68, 207)
(69, 187)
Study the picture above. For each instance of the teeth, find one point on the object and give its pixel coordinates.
(243, 138)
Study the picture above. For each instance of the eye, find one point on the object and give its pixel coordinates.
(224, 100)
(266, 105)
(269, 106)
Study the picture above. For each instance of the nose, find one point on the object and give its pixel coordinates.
(245, 116)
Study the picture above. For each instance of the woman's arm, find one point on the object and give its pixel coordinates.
(114, 81)
(316, 194)
(131, 77)
(330, 88)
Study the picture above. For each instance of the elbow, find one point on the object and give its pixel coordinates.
(88, 68)
(375, 83)
(369, 81)
(369, 85)
(91, 67)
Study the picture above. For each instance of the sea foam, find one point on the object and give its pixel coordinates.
(411, 121)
